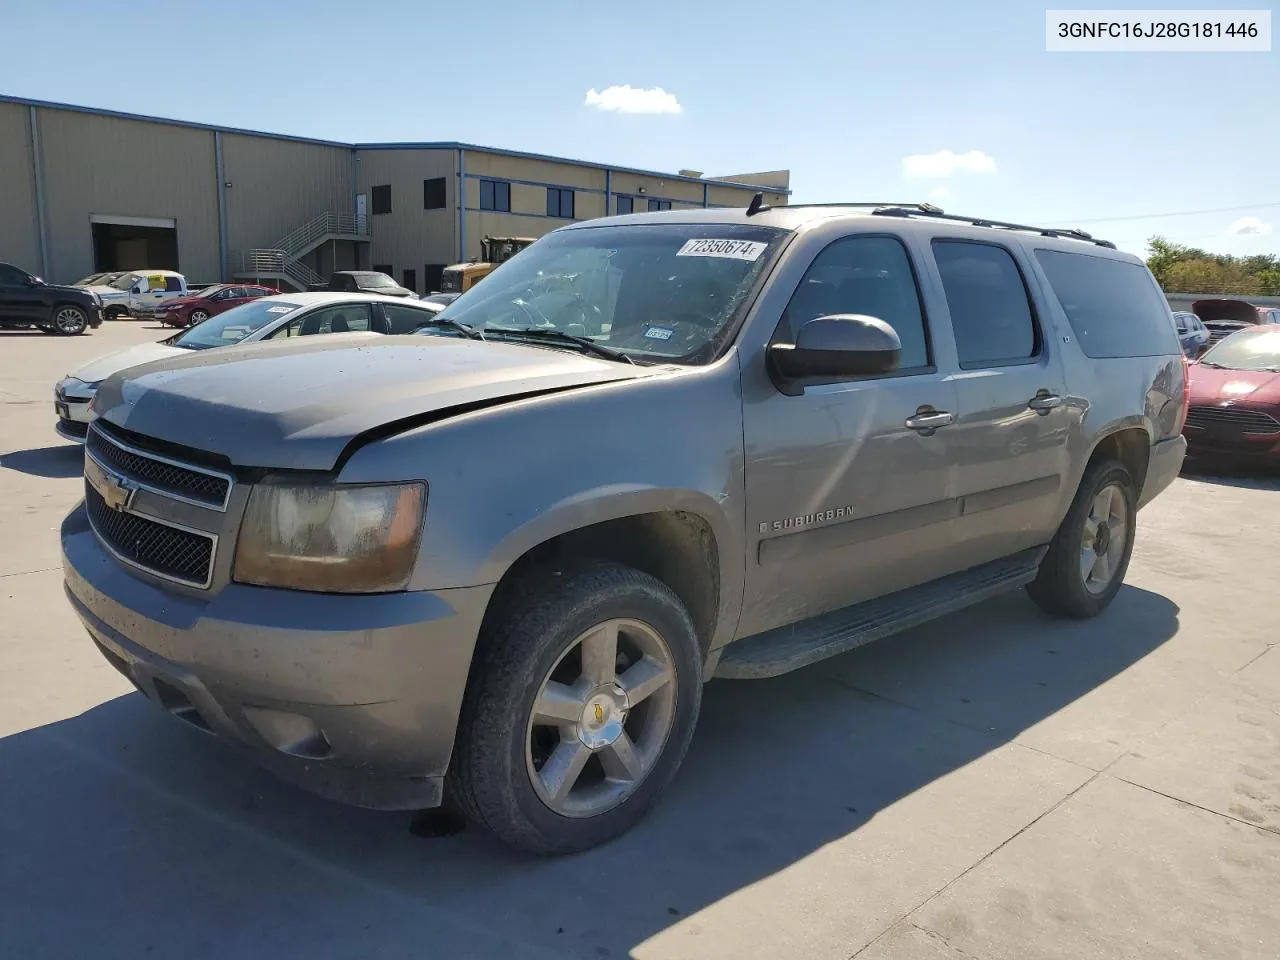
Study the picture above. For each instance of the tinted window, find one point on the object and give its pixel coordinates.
(381, 199)
(559, 203)
(626, 205)
(1114, 307)
(1181, 320)
(990, 311)
(11, 276)
(870, 276)
(657, 205)
(405, 319)
(432, 194)
(495, 195)
(172, 285)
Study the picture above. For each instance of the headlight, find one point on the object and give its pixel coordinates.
(79, 388)
(357, 539)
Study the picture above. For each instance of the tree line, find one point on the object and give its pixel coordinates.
(1181, 269)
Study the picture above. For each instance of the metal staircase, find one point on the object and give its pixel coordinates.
(282, 260)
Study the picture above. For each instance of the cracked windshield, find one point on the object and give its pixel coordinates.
(662, 294)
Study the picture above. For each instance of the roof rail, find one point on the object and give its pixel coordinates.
(910, 210)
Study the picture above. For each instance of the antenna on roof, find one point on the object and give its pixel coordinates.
(756, 205)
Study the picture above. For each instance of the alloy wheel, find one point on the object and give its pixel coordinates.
(1103, 544)
(601, 718)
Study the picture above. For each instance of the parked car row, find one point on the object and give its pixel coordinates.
(499, 558)
(265, 317)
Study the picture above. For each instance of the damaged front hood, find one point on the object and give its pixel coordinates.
(297, 404)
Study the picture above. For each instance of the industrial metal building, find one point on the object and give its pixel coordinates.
(89, 190)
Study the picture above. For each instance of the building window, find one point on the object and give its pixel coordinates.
(626, 205)
(495, 195)
(432, 194)
(386, 268)
(410, 280)
(432, 274)
(655, 205)
(559, 203)
(381, 199)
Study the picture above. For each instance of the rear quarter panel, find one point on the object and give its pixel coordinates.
(1110, 394)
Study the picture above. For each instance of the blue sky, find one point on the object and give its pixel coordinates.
(838, 92)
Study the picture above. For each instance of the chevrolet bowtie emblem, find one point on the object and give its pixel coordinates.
(599, 713)
(116, 492)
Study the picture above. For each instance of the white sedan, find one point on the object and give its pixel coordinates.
(268, 318)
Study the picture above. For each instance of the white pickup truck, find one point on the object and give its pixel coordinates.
(139, 292)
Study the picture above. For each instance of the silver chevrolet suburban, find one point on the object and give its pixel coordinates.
(493, 563)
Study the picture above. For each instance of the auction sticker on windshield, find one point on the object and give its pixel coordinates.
(730, 249)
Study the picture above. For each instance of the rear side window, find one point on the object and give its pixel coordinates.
(405, 319)
(172, 285)
(990, 309)
(1114, 308)
(870, 276)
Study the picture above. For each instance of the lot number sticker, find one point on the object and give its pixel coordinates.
(729, 249)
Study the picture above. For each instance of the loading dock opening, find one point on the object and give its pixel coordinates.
(134, 243)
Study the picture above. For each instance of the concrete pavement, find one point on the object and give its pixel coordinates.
(994, 785)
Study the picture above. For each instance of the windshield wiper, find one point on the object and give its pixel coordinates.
(559, 336)
(466, 329)
(1210, 363)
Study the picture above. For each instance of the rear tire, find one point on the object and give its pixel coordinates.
(561, 747)
(1089, 555)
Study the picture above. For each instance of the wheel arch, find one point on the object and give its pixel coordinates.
(681, 538)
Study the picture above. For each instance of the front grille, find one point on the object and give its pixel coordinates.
(1232, 420)
(173, 553)
(207, 489)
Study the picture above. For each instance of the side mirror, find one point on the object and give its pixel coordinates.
(837, 347)
(34, 282)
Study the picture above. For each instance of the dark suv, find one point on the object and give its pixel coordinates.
(27, 301)
(366, 281)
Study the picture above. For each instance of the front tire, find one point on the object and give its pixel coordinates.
(196, 316)
(1089, 555)
(581, 704)
(114, 313)
(69, 320)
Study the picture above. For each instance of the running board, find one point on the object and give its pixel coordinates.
(783, 649)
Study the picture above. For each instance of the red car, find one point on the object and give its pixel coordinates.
(219, 298)
(1234, 410)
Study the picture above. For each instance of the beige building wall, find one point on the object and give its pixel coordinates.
(740, 196)
(278, 185)
(19, 231)
(410, 237)
(114, 166)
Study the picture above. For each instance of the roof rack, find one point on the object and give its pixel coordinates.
(917, 209)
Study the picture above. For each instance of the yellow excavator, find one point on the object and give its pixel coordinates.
(461, 277)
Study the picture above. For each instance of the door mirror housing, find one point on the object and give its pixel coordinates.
(34, 281)
(838, 347)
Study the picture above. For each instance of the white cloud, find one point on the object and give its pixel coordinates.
(935, 166)
(1249, 226)
(629, 99)
(940, 193)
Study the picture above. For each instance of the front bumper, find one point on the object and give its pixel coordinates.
(1163, 467)
(74, 415)
(355, 698)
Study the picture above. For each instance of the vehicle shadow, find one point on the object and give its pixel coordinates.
(1247, 475)
(61, 461)
(124, 813)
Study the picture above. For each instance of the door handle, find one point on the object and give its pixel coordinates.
(1044, 401)
(927, 420)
